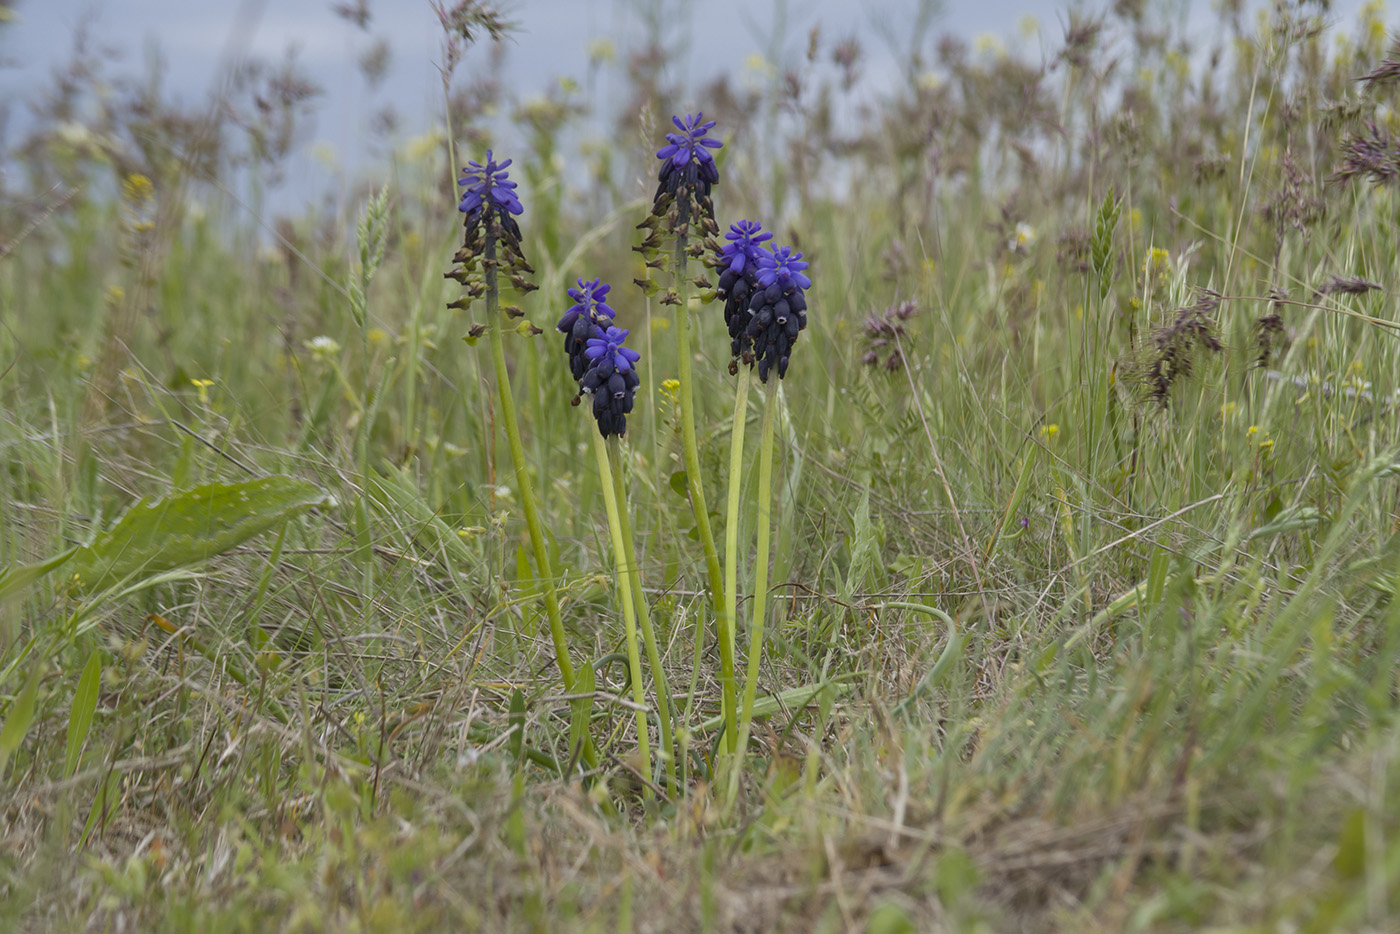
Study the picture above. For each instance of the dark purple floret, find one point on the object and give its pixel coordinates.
(777, 310)
(588, 312)
(611, 379)
(687, 160)
(737, 261)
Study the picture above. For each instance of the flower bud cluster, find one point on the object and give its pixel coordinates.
(737, 262)
(886, 331)
(765, 302)
(681, 206)
(605, 369)
(492, 236)
(589, 312)
(611, 379)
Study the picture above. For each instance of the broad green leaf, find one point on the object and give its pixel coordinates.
(863, 550)
(1157, 569)
(890, 918)
(1350, 861)
(84, 706)
(790, 699)
(680, 483)
(18, 720)
(516, 743)
(581, 710)
(188, 527)
(15, 579)
(523, 575)
(1289, 520)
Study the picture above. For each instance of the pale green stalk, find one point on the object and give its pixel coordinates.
(760, 573)
(731, 563)
(634, 576)
(629, 615)
(522, 476)
(686, 401)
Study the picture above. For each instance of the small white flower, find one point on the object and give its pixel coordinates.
(323, 346)
(1022, 238)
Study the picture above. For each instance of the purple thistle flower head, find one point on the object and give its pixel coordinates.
(783, 268)
(691, 143)
(489, 184)
(607, 353)
(741, 253)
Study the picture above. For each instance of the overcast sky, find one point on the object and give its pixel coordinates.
(552, 41)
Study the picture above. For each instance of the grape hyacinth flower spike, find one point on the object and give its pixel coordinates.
(688, 172)
(589, 312)
(778, 309)
(490, 206)
(611, 378)
(686, 160)
(491, 249)
(737, 262)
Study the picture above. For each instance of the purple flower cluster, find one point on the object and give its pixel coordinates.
(738, 261)
(611, 379)
(589, 312)
(604, 368)
(765, 305)
(687, 163)
(489, 205)
(490, 192)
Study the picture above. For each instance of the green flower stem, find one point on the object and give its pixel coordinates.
(731, 562)
(522, 476)
(639, 601)
(629, 614)
(760, 573)
(686, 401)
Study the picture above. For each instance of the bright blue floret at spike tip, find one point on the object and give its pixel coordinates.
(691, 142)
(579, 323)
(783, 267)
(611, 379)
(606, 350)
(489, 183)
(741, 252)
(687, 159)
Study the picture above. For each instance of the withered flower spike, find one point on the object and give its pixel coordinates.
(1354, 285)
(1387, 70)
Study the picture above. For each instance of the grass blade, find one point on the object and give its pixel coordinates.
(84, 707)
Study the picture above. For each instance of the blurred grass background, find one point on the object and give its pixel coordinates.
(1101, 363)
